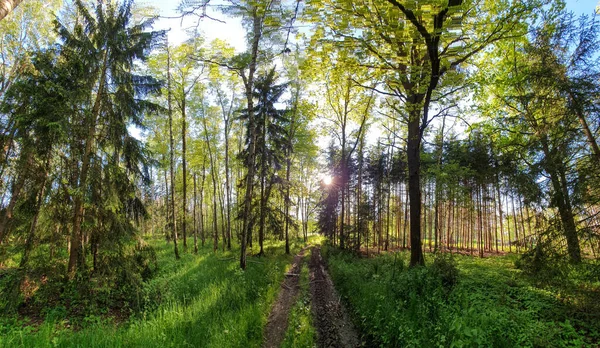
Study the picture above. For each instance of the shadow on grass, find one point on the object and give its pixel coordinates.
(202, 300)
(492, 304)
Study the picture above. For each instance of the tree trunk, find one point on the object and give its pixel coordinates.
(586, 129)
(201, 217)
(194, 214)
(227, 186)
(76, 256)
(414, 187)
(39, 200)
(171, 156)
(184, 174)
(7, 6)
(499, 198)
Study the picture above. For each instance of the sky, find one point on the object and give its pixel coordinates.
(229, 29)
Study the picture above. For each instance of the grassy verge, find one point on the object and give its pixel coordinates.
(487, 303)
(300, 331)
(202, 300)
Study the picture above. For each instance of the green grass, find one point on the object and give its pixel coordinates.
(202, 300)
(492, 304)
(300, 331)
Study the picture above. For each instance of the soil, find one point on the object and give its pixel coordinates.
(278, 318)
(334, 327)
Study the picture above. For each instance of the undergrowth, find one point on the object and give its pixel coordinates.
(201, 300)
(459, 301)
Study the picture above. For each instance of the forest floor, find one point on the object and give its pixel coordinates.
(200, 300)
(330, 319)
(462, 300)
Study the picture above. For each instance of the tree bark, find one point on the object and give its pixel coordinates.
(171, 156)
(194, 214)
(249, 86)
(414, 187)
(7, 6)
(184, 174)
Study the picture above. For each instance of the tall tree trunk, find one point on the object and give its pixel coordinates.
(76, 257)
(249, 86)
(414, 186)
(568, 219)
(514, 212)
(184, 174)
(499, 198)
(227, 186)
(168, 210)
(287, 203)
(201, 217)
(406, 218)
(194, 214)
(221, 195)
(213, 172)
(171, 156)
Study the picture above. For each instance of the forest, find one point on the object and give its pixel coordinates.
(356, 173)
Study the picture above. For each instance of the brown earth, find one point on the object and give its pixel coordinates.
(278, 318)
(334, 327)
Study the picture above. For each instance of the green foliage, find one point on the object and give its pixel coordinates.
(445, 267)
(458, 301)
(201, 298)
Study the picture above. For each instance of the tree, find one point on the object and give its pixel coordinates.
(348, 107)
(38, 102)
(538, 106)
(270, 146)
(107, 46)
(220, 83)
(187, 77)
(417, 46)
(262, 20)
(173, 222)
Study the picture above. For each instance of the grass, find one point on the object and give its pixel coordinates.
(201, 300)
(300, 331)
(488, 303)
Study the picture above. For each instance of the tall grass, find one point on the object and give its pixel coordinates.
(491, 304)
(300, 331)
(202, 300)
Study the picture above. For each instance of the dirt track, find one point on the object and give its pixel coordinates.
(278, 318)
(334, 327)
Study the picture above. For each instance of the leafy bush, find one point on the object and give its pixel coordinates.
(444, 266)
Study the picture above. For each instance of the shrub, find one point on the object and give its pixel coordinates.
(444, 266)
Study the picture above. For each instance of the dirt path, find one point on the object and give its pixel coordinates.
(331, 320)
(278, 318)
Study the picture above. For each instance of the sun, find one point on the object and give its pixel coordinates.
(327, 179)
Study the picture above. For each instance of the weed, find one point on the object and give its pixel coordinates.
(458, 301)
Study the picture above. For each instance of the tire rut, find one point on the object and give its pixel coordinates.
(277, 323)
(334, 327)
